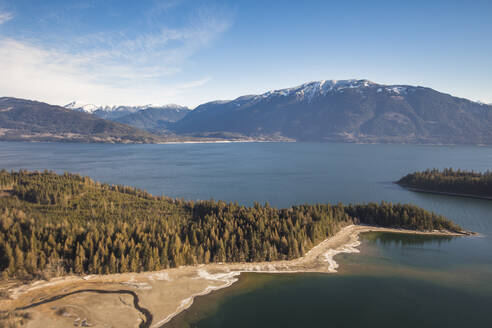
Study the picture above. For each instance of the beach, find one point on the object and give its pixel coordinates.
(164, 293)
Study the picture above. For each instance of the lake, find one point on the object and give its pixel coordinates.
(396, 280)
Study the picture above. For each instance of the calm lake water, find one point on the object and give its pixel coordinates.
(396, 281)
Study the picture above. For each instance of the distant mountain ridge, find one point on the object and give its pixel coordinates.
(321, 111)
(153, 118)
(27, 120)
(346, 111)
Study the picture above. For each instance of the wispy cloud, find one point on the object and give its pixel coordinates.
(114, 67)
(5, 17)
(121, 56)
(161, 6)
(59, 78)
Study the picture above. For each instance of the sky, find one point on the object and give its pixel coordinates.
(118, 52)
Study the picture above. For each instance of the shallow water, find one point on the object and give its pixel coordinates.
(397, 280)
(342, 301)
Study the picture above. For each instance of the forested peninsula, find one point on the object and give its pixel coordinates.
(52, 225)
(451, 182)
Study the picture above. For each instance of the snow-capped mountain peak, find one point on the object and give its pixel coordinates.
(81, 106)
(91, 108)
(309, 90)
(115, 112)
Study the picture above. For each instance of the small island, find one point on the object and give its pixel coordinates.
(450, 182)
(70, 246)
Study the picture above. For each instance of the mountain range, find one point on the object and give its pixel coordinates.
(347, 111)
(27, 120)
(321, 111)
(153, 118)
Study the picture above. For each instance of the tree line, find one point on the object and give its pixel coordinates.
(53, 224)
(451, 181)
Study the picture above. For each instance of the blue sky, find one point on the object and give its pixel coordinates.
(189, 52)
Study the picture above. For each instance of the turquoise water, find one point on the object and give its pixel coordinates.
(348, 301)
(397, 280)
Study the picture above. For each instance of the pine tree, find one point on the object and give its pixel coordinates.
(123, 264)
(112, 264)
(79, 260)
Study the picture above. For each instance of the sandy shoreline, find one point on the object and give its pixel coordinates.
(168, 292)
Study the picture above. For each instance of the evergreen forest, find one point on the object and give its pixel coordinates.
(450, 181)
(56, 224)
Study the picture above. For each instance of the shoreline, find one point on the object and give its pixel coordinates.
(221, 141)
(168, 292)
(446, 193)
(348, 247)
(63, 141)
(170, 142)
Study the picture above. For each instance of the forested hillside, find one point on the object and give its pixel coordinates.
(26, 120)
(155, 120)
(450, 181)
(347, 111)
(54, 224)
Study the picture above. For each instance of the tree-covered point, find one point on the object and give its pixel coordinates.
(450, 181)
(54, 224)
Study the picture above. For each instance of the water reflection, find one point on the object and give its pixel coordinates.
(400, 240)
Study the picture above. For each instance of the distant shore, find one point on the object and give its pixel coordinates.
(443, 192)
(168, 292)
(178, 141)
(221, 141)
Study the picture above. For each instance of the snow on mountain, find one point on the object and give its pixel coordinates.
(82, 107)
(304, 92)
(309, 91)
(138, 116)
(482, 103)
(91, 108)
(345, 110)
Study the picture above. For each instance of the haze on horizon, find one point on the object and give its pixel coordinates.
(189, 52)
